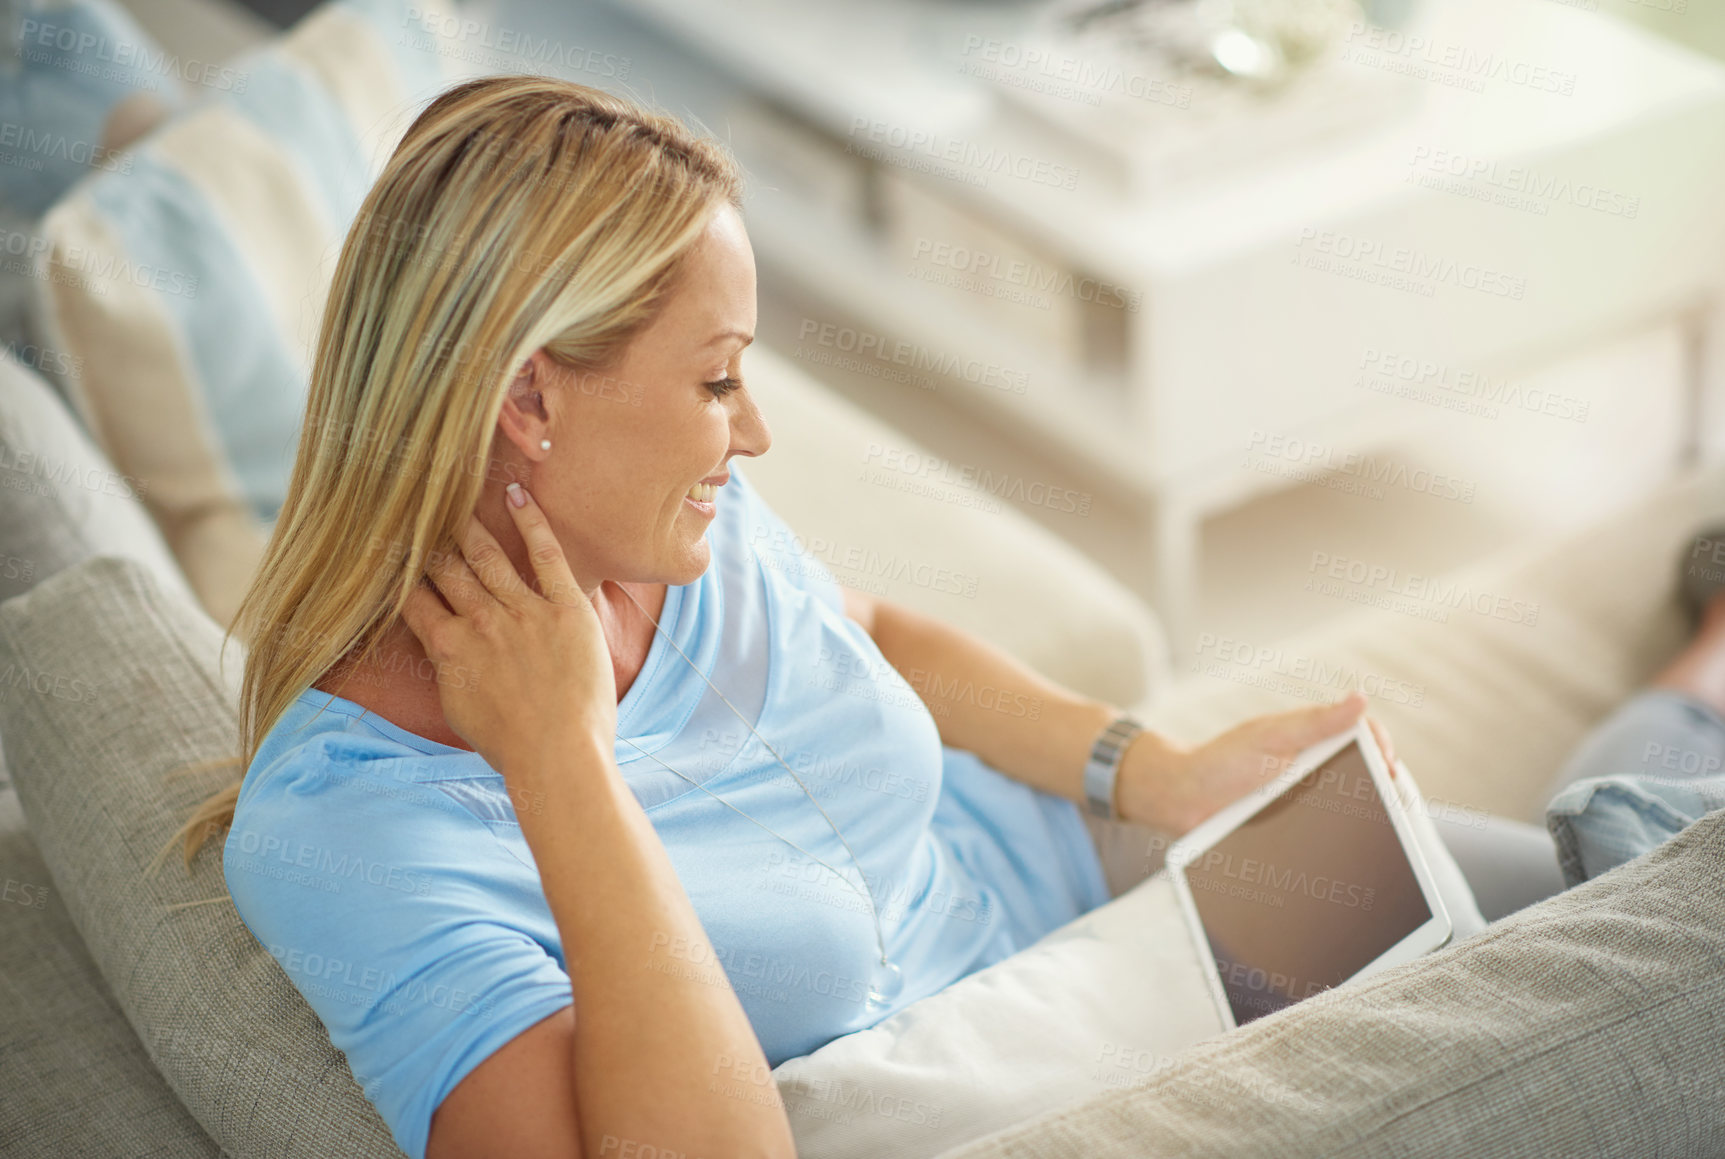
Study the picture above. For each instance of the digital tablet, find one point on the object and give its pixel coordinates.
(1309, 881)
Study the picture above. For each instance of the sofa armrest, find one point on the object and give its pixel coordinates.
(1587, 1024)
(954, 553)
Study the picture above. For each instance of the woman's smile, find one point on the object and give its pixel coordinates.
(703, 496)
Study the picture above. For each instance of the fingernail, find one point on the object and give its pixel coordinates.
(517, 497)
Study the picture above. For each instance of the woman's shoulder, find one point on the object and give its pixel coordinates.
(326, 777)
(324, 744)
(419, 939)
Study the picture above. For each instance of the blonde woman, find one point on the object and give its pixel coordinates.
(569, 818)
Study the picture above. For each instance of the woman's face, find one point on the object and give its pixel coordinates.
(639, 453)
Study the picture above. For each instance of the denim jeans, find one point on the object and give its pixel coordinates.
(1645, 773)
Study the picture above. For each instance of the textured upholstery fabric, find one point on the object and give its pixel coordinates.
(77, 1080)
(1589, 1025)
(60, 499)
(132, 692)
(186, 291)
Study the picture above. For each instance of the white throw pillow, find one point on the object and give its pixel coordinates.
(1103, 1002)
(1106, 1001)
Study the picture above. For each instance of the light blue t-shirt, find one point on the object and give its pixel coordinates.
(389, 877)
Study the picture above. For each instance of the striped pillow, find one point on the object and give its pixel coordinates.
(187, 292)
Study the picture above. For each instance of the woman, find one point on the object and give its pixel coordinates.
(568, 817)
(551, 877)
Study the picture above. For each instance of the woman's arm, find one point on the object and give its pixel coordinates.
(657, 1055)
(1038, 732)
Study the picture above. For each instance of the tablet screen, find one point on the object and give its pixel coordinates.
(1308, 891)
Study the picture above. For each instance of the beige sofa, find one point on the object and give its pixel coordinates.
(1500, 712)
(105, 1050)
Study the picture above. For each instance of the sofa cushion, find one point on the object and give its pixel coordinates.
(82, 79)
(124, 690)
(1588, 1024)
(60, 499)
(77, 1080)
(187, 291)
(1078, 1012)
(1484, 708)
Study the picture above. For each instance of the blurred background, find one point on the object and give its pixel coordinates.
(1233, 296)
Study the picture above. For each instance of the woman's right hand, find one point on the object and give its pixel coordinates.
(515, 667)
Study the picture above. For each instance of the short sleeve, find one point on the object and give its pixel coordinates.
(421, 941)
(801, 561)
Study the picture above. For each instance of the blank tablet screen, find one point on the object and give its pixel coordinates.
(1308, 891)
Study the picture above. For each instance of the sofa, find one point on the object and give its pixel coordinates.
(138, 471)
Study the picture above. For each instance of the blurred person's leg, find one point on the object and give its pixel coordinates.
(1508, 864)
(1673, 728)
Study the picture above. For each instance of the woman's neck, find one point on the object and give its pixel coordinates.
(399, 683)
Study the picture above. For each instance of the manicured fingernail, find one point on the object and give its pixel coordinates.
(517, 497)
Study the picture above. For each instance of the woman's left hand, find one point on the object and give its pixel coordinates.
(1174, 790)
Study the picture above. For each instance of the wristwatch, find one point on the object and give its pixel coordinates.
(1103, 767)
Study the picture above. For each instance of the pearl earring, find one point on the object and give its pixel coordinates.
(544, 444)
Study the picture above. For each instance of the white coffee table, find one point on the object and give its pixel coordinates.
(1262, 288)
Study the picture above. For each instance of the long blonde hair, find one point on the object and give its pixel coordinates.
(518, 212)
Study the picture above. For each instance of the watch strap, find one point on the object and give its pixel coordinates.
(1103, 768)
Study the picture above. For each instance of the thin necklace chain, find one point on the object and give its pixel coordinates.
(874, 912)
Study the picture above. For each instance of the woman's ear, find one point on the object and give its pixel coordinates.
(524, 419)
